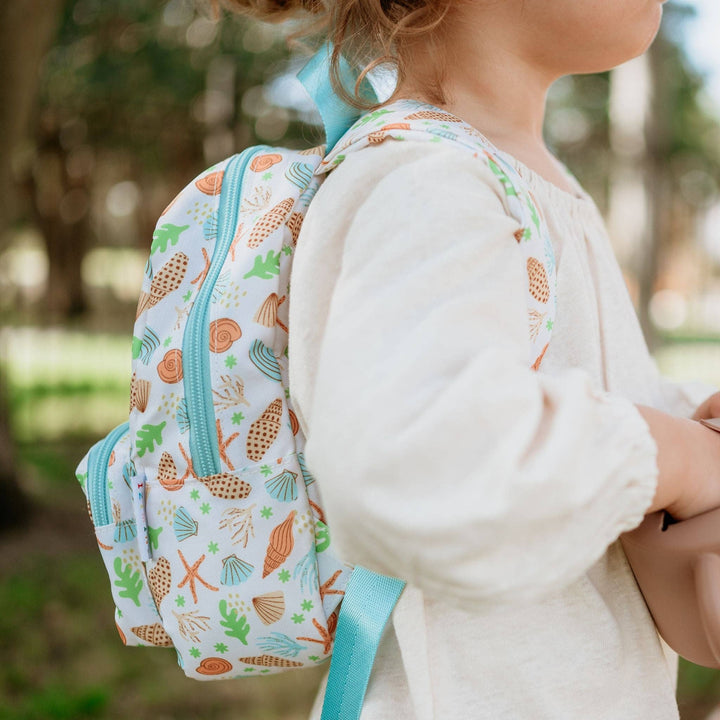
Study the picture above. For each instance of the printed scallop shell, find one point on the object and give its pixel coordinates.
(184, 526)
(283, 487)
(125, 531)
(267, 313)
(300, 174)
(235, 571)
(263, 358)
(269, 607)
(139, 393)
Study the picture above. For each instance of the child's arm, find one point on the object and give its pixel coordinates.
(442, 457)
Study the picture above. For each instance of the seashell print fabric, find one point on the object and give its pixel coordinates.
(407, 119)
(221, 548)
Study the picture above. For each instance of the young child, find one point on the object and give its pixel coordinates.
(497, 492)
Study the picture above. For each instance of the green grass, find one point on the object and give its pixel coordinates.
(61, 656)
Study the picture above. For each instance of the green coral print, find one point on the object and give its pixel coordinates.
(236, 624)
(265, 269)
(147, 437)
(370, 117)
(136, 347)
(322, 537)
(167, 233)
(81, 478)
(533, 213)
(128, 580)
(153, 535)
(504, 179)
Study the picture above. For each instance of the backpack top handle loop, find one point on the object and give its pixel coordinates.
(337, 115)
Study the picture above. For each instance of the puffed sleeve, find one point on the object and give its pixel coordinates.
(442, 458)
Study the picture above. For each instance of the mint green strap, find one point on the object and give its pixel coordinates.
(337, 116)
(369, 600)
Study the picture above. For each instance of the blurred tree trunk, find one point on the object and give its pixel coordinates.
(658, 140)
(26, 30)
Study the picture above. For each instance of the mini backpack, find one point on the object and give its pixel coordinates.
(208, 520)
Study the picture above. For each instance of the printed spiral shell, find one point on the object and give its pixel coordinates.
(214, 666)
(210, 184)
(170, 369)
(223, 333)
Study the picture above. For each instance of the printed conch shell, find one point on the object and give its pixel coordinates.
(264, 430)
(226, 486)
(295, 223)
(280, 544)
(539, 287)
(139, 393)
(223, 333)
(270, 607)
(153, 634)
(160, 580)
(270, 661)
(214, 666)
(167, 473)
(270, 222)
(121, 634)
(166, 280)
(432, 115)
(210, 184)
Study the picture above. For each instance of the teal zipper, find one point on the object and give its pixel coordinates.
(196, 341)
(97, 487)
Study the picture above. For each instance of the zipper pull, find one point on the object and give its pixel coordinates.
(143, 536)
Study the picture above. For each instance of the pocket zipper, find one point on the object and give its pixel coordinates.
(97, 487)
(196, 340)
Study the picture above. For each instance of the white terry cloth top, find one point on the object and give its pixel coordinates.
(497, 492)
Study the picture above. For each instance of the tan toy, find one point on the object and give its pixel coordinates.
(677, 566)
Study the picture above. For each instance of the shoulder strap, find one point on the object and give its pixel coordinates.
(407, 119)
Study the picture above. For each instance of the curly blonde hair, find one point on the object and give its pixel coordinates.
(367, 33)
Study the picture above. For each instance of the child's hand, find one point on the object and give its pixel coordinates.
(710, 408)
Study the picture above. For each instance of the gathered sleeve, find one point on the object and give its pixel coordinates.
(441, 456)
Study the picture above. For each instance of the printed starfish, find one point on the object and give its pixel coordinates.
(325, 640)
(193, 575)
(223, 444)
(199, 279)
(190, 471)
(327, 587)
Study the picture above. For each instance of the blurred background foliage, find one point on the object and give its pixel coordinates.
(107, 109)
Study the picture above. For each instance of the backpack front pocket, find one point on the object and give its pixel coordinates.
(107, 475)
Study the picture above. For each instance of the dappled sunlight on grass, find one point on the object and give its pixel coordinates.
(65, 383)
